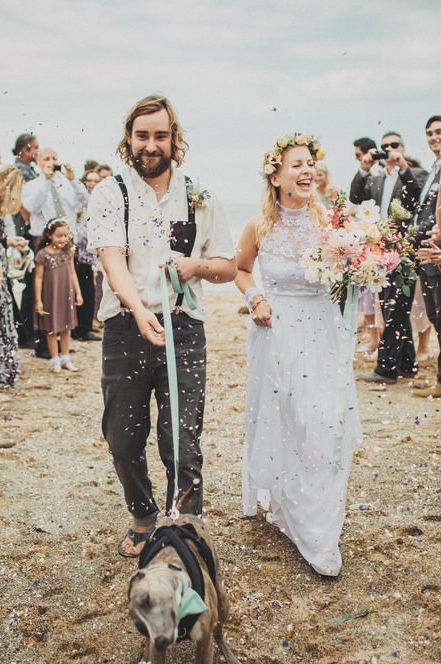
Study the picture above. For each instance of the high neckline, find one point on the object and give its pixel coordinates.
(292, 213)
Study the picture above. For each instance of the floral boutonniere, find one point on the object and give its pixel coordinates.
(197, 198)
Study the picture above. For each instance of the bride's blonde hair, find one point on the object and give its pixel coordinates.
(268, 213)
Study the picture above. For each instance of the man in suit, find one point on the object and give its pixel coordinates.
(363, 146)
(425, 220)
(396, 353)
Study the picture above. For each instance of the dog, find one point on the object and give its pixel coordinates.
(158, 591)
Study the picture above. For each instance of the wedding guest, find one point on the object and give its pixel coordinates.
(327, 192)
(104, 171)
(57, 291)
(421, 325)
(362, 147)
(89, 165)
(85, 262)
(11, 183)
(425, 220)
(25, 151)
(396, 352)
(53, 194)
(134, 361)
(294, 345)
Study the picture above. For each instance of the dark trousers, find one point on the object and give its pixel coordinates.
(396, 353)
(132, 369)
(87, 288)
(26, 314)
(431, 287)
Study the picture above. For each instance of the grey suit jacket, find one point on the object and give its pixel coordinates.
(425, 220)
(407, 187)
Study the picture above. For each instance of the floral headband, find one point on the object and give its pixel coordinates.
(54, 220)
(273, 159)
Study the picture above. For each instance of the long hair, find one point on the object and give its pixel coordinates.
(11, 185)
(147, 106)
(49, 230)
(268, 213)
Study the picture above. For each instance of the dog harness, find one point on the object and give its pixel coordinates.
(176, 537)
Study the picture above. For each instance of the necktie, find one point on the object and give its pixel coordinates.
(59, 210)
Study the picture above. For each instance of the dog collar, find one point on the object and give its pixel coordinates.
(191, 603)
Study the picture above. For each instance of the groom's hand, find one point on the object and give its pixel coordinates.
(186, 268)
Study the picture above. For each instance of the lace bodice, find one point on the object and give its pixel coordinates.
(281, 251)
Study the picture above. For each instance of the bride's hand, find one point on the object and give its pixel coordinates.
(262, 314)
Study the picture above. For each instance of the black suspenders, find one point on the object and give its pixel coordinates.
(190, 215)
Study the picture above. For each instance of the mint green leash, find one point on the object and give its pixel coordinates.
(171, 361)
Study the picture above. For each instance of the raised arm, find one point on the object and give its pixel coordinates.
(121, 282)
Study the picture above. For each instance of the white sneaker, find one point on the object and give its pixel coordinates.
(55, 364)
(66, 363)
(70, 366)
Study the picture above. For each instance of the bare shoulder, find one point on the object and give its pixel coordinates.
(251, 225)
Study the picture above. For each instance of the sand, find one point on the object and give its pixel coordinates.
(63, 588)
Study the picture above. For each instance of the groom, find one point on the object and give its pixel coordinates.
(157, 213)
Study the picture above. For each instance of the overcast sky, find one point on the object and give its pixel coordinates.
(240, 73)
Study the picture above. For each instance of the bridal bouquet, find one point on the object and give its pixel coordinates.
(356, 249)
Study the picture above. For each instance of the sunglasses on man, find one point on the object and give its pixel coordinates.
(394, 145)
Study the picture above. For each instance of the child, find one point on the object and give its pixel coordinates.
(57, 291)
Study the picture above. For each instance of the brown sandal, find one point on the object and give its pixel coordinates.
(135, 538)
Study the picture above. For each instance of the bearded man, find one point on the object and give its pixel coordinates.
(137, 221)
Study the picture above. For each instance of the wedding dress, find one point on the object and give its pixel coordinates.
(291, 408)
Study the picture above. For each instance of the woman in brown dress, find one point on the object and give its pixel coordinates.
(57, 291)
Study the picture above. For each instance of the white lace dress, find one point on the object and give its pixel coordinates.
(291, 410)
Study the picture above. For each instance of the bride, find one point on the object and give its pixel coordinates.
(293, 353)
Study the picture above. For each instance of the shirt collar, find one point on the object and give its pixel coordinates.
(393, 174)
(142, 185)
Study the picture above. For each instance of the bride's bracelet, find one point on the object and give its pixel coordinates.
(250, 294)
(256, 304)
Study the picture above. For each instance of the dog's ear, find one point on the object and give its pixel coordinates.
(137, 577)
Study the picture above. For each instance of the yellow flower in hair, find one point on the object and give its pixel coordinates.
(320, 154)
(282, 142)
(301, 139)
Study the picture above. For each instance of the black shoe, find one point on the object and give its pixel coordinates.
(373, 377)
(26, 344)
(43, 354)
(89, 336)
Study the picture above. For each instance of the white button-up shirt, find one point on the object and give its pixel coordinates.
(388, 187)
(149, 236)
(37, 199)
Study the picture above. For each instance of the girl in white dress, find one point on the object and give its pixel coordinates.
(293, 352)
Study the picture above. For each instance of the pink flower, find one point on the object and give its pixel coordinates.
(390, 260)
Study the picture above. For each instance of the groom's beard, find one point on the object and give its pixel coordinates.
(153, 169)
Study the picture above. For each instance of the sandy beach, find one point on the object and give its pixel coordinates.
(63, 587)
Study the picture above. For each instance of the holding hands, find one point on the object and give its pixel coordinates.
(261, 312)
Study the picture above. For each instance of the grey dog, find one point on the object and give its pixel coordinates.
(156, 591)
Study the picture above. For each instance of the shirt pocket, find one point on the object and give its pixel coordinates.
(182, 236)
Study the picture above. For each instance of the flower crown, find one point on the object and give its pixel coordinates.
(273, 159)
